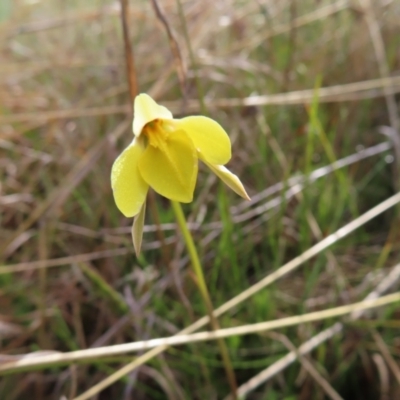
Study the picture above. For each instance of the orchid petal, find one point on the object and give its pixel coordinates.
(209, 138)
(171, 168)
(137, 229)
(128, 186)
(146, 110)
(229, 179)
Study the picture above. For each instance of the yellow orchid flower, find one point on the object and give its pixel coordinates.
(164, 155)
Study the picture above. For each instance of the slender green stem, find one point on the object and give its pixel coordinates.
(194, 258)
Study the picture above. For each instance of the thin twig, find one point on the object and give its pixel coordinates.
(380, 53)
(292, 265)
(200, 91)
(40, 360)
(60, 193)
(302, 20)
(173, 42)
(393, 366)
(369, 89)
(311, 252)
(129, 58)
(331, 239)
(383, 376)
(278, 366)
(292, 183)
(308, 366)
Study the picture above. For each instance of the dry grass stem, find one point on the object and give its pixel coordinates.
(347, 92)
(247, 293)
(129, 58)
(174, 45)
(390, 280)
(308, 366)
(387, 356)
(318, 14)
(59, 194)
(34, 361)
(305, 91)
